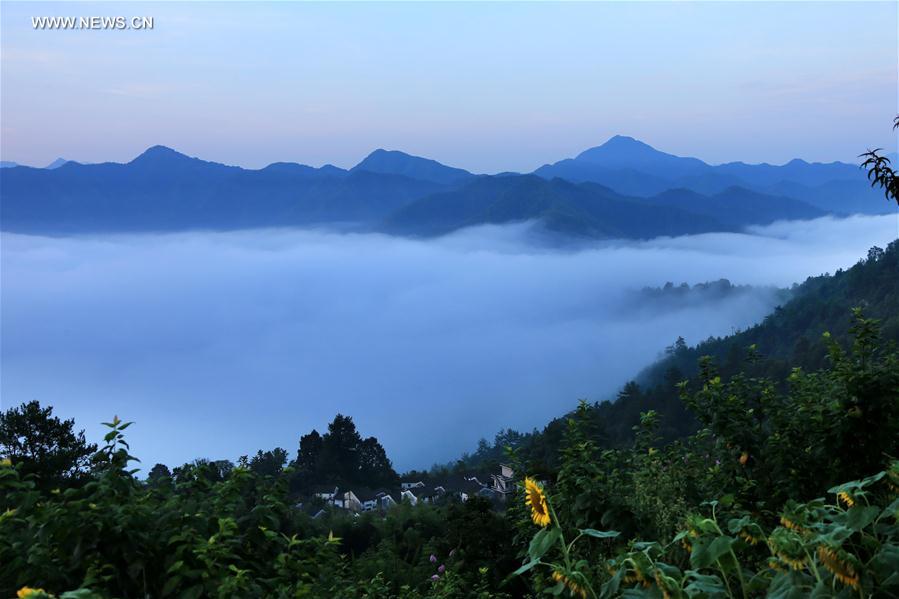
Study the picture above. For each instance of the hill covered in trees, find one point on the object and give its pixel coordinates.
(793, 336)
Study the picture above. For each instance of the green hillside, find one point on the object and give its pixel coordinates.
(791, 337)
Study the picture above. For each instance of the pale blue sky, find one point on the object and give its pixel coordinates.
(487, 87)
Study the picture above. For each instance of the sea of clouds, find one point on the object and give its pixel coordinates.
(219, 344)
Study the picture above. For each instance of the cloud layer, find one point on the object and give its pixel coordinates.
(219, 344)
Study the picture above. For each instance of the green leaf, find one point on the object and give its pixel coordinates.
(600, 534)
(542, 541)
(170, 585)
(821, 591)
(555, 590)
(707, 553)
(860, 516)
(526, 567)
(80, 594)
(702, 585)
(175, 567)
(892, 510)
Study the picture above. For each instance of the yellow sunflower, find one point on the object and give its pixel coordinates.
(573, 586)
(841, 568)
(748, 537)
(26, 592)
(536, 500)
(846, 498)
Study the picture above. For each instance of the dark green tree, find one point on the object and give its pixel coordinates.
(309, 452)
(339, 459)
(880, 171)
(158, 473)
(375, 469)
(269, 463)
(43, 445)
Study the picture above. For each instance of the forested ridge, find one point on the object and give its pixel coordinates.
(791, 337)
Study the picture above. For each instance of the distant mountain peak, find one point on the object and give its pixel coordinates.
(621, 146)
(160, 154)
(395, 162)
(382, 151)
(626, 140)
(56, 164)
(622, 152)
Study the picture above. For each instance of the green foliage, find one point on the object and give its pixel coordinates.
(216, 531)
(341, 456)
(42, 445)
(880, 171)
(769, 453)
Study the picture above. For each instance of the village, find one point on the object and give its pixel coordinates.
(457, 487)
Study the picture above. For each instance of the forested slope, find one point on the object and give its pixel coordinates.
(791, 337)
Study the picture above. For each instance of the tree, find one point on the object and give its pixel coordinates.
(341, 456)
(339, 461)
(157, 474)
(214, 471)
(375, 468)
(309, 452)
(880, 171)
(42, 444)
(269, 463)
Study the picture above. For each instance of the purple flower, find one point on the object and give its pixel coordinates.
(441, 569)
(717, 462)
(435, 577)
(433, 559)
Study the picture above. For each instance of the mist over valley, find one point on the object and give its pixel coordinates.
(243, 338)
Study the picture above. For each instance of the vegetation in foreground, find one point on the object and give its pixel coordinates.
(781, 493)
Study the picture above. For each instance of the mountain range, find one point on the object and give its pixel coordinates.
(623, 188)
(632, 167)
(55, 164)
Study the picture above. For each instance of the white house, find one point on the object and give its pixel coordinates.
(326, 493)
(503, 483)
(351, 502)
(381, 500)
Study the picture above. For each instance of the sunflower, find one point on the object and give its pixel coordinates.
(788, 547)
(837, 561)
(573, 587)
(795, 562)
(747, 536)
(846, 498)
(788, 523)
(26, 592)
(536, 500)
(666, 584)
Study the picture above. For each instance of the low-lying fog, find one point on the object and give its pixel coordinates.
(219, 344)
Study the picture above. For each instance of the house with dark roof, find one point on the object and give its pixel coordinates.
(503, 484)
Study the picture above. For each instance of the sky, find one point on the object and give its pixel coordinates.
(487, 87)
(221, 344)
